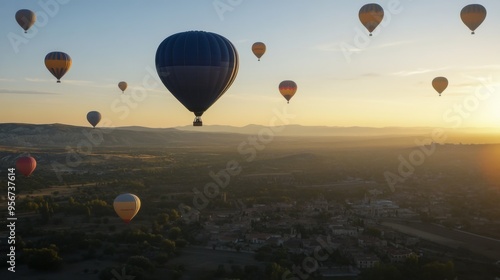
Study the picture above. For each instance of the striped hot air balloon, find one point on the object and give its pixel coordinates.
(58, 64)
(258, 49)
(473, 15)
(370, 16)
(126, 206)
(287, 89)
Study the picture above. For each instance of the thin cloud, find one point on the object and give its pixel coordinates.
(13, 91)
(418, 71)
(72, 82)
(7, 80)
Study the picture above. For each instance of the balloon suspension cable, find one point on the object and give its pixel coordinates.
(440, 94)
(287, 102)
(258, 59)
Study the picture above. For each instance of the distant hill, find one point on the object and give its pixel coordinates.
(61, 135)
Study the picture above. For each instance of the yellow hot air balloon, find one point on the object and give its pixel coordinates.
(58, 64)
(123, 86)
(440, 84)
(25, 18)
(371, 15)
(258, 49)
(126, 206)
(287, 89)
(473, 15)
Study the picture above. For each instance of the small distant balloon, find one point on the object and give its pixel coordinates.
(258, 49)
(473, 15)
(25, 18)
(126, 206)
(370, 16)
(287, 89)
(26, 165)
(58, 64)
(122, 85)
(440, 84)
(94, 118)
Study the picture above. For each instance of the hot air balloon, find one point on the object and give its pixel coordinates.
(123, 86)
(473, 15)
(440, 84)
(258, 49)
(197, 67)
(26, 165)
(94, 118)
(58, 64)
(26, 19)
(287, 89)
(371, 15)
(126, 206)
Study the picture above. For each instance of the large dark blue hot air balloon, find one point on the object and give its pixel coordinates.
(94, 118)
(197, 67)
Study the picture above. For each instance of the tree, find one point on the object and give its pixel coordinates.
(141, 262)
(174, 233)
(43, 259)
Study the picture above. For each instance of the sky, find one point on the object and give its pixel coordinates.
(344, 77)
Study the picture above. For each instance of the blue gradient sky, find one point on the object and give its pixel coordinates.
(344, 77)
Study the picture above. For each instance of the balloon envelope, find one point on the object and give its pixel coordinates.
(258, 49)
(440, 84)
(370, 16)
(26, 165)
(287, 89)
(94, 117)
(473, 15)
(25, 19)
(197, 67)
(122, 85)
(126, 206)
(58, 64)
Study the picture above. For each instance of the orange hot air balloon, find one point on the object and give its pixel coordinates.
(370, 16)
(26, 165)
(440, 84)
(123, 86)
(58, 64)
(25, 19)
(258, 49)
(473, 15)
(126, 206)
(287, 89)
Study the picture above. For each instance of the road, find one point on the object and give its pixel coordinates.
(485, 246)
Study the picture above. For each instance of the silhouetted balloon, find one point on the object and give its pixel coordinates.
(25, 19)
(473, 15)
(287, 89)
(126, 206)
(258, 49)
(58, 64)
(94, 118)
(122, 85)
(197, 67)
(371, 15)
(440, 84)
(26, 165)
